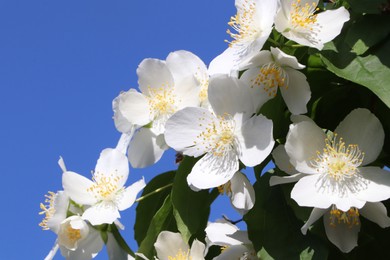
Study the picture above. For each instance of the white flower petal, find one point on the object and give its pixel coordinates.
(332, 22)
(127, 198)
(69, 224)
(341, 234)
(363, 128)
(261, 58)
(87, 249)
(314, 216)
(212, 171)
(153, 73)
(183, 64)
(182, 129)
(242, 193)
(225, 63)
(144, 149)
(168, 245)
(237, 252)
(61, 203)
(61, 163)
(276, 180)
(255, 140)
(197, 250)
(298, 93)
(112, 163)
(377, 188)
(376, 212)
(121, 123)
(310, 192)
(76, 186)
(103, 212)
(187, 92)
(282, 160)
(258, 94)
(229, 95)
(303, 141)
(284, 59)
(132, 109)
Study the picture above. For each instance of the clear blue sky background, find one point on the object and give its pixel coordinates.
(61, 65)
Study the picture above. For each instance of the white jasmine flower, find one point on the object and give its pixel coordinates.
(105, 194)
(297, 20)
(342, 227)
(269, 71)
(240, 192)
(335, 164)
(234, 242)
(76, 239)
(171, 245)
(228, 134)
(166, 87)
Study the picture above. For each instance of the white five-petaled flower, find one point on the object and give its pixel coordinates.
(235, 242)
(240, 192)
(334, 163)
(228, 133)
(297, 20)
(269, 71)
(251, 27)
(334, 177)
(171, 245)
(76, 239)
(105, 194)
(342, 227)
(166, 87)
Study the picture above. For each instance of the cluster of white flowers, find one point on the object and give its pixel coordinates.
(213, 113)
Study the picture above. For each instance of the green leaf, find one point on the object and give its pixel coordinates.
(273, 226)
(367, 6)
(275, 109)
(366, 32)
(191, 209)
(148, 207)
(371, 71)
(161, 221)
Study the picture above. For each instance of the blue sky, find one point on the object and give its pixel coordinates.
(61, 65)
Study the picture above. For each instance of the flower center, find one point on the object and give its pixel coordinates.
(181, 255)
(350, 218)
(73, 234)
(218, 137)
(226, 188)
(270, 77)
(302, 16)
(47, 209)
(338, 160)
(105, 186)
(162, 101)
(242, 23)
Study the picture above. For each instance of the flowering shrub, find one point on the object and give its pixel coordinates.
(304, 84)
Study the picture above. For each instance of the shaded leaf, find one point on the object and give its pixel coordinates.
(160, 221)
(191, 209)
(273, 226)
(148, 207)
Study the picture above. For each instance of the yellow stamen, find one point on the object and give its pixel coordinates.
(270, 77)
(242, 23)
(181, 255)
(47, 209)
(350, 217)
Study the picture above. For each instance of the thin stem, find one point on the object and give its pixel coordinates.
(154, 192)
(273, 41)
